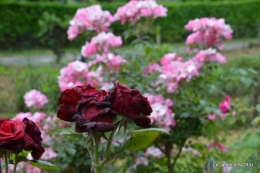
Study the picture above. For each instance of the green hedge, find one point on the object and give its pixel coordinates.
(19, 20)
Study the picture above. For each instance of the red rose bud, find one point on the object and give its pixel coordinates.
(130, 103)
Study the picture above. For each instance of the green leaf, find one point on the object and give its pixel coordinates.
(141, 139)
(44, 165)
(21, 156)
(72, 135)
(256, 121)
(258, 108)
(251, 140)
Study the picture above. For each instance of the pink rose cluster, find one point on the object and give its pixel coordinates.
(135, 9)
(111, 61)
(208, 55)
(102, 43)
(208, 31)
(90, 18)
(35, 98)
(174, 70)
(162, 114)
(76, 74)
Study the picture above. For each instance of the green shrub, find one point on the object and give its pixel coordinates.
(19, 20)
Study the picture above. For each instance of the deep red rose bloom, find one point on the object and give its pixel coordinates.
(11, 135)
(17, 136)
(88, 107)
(32, 139)
(69, 100)
(130, 103)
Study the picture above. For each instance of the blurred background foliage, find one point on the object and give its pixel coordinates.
(20, 20)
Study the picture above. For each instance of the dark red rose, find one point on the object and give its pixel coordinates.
(130, 103)
(69, 100)
(32, 139)
(88, 107)
(11, 135)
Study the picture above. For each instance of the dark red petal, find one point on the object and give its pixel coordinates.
(69, 100)
(103, 127)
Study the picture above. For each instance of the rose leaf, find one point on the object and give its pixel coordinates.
(141, 139)
(44, 165)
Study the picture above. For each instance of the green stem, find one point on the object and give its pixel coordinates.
(15, 162)
(109, 144)
(6, 161)
(96, 155)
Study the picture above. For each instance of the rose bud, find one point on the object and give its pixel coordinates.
(224, 105)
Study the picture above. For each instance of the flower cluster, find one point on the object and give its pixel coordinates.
(174, 70)
(161, 114)
(21, 135)
(76, 74)
(134, 10)
(94, 110)
(90, 18)
(111, 61)
(208, 31)
(101, 43)
(35, 98)
(208, 55)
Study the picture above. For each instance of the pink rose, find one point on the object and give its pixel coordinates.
(224, 105)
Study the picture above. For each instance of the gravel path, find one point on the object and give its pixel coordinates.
(49, 58)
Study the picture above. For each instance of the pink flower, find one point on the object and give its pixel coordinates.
(49, 154)
(218, 145)
(72, 32)
(90, 18)
(35, 98)
(135, 10)
(211, 117)
(20, 116)
(153, 151)
(224, 105)
(151, 68)
(88, 49)
(208, 32)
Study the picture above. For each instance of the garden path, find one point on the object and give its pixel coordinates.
(50, 58)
